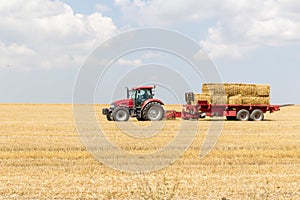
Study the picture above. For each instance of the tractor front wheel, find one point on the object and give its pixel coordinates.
(120, 114)
(109, 117)
(153, 111)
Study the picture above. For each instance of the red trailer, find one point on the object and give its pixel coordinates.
(239, 112)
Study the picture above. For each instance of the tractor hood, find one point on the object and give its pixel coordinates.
(123, 102)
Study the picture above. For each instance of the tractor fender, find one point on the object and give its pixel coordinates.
(151, 100)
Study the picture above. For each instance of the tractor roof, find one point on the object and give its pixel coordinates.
(142, 87)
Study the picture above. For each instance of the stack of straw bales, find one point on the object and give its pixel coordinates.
(234, 93)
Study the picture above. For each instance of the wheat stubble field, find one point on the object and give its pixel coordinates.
(41, 157)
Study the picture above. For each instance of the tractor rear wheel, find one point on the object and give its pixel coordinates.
(120, 114)
(153, 111)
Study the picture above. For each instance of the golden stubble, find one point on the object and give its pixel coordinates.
(41, 156)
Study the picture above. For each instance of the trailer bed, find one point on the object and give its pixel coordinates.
(242, 112)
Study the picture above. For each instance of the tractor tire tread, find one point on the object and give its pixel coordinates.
(147, 108)
(116, 110)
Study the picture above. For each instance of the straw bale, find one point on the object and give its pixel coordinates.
(202, 97)
(248, 90)
(219, 99)
(263, 90)
(236, 93)
(232, 89)
(214, 88)
(256, 100)
(237, 99)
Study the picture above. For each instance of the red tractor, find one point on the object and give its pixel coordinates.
(139, 103)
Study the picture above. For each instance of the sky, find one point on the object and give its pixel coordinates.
(44, 43)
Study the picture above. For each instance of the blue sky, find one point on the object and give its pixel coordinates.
(43, 43)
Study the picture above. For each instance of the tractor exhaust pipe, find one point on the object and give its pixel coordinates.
(127, 92)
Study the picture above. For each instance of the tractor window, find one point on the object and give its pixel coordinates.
(148, 94)
(132, 94)
(143, 95)
(140, 95)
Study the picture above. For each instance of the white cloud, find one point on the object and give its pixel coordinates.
(49, 34)
(263, 23)
(151, 55)
(163, 12)
(128, 62)
(218, 46)
(14, 54)
(241, 26)
(275, 31)
(103, 8)
(122, 2)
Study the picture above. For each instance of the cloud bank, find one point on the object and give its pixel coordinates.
(241, 26)
(45, 34)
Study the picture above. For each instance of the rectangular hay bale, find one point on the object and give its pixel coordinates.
(256, 100)
(232, 89)
(202, 97)
(237, 99)
(214, 88)
(219, 99)
(263, 90)
(237, 93)
(248, 90)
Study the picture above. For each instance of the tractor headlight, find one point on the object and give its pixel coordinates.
(112, 106)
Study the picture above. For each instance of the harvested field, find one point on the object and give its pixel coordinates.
(42, 157)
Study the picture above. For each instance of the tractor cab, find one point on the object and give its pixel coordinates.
(140, 94)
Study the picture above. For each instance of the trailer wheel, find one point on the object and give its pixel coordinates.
(153, 111)
(120, 114)
(243, 115)
(257, 115)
